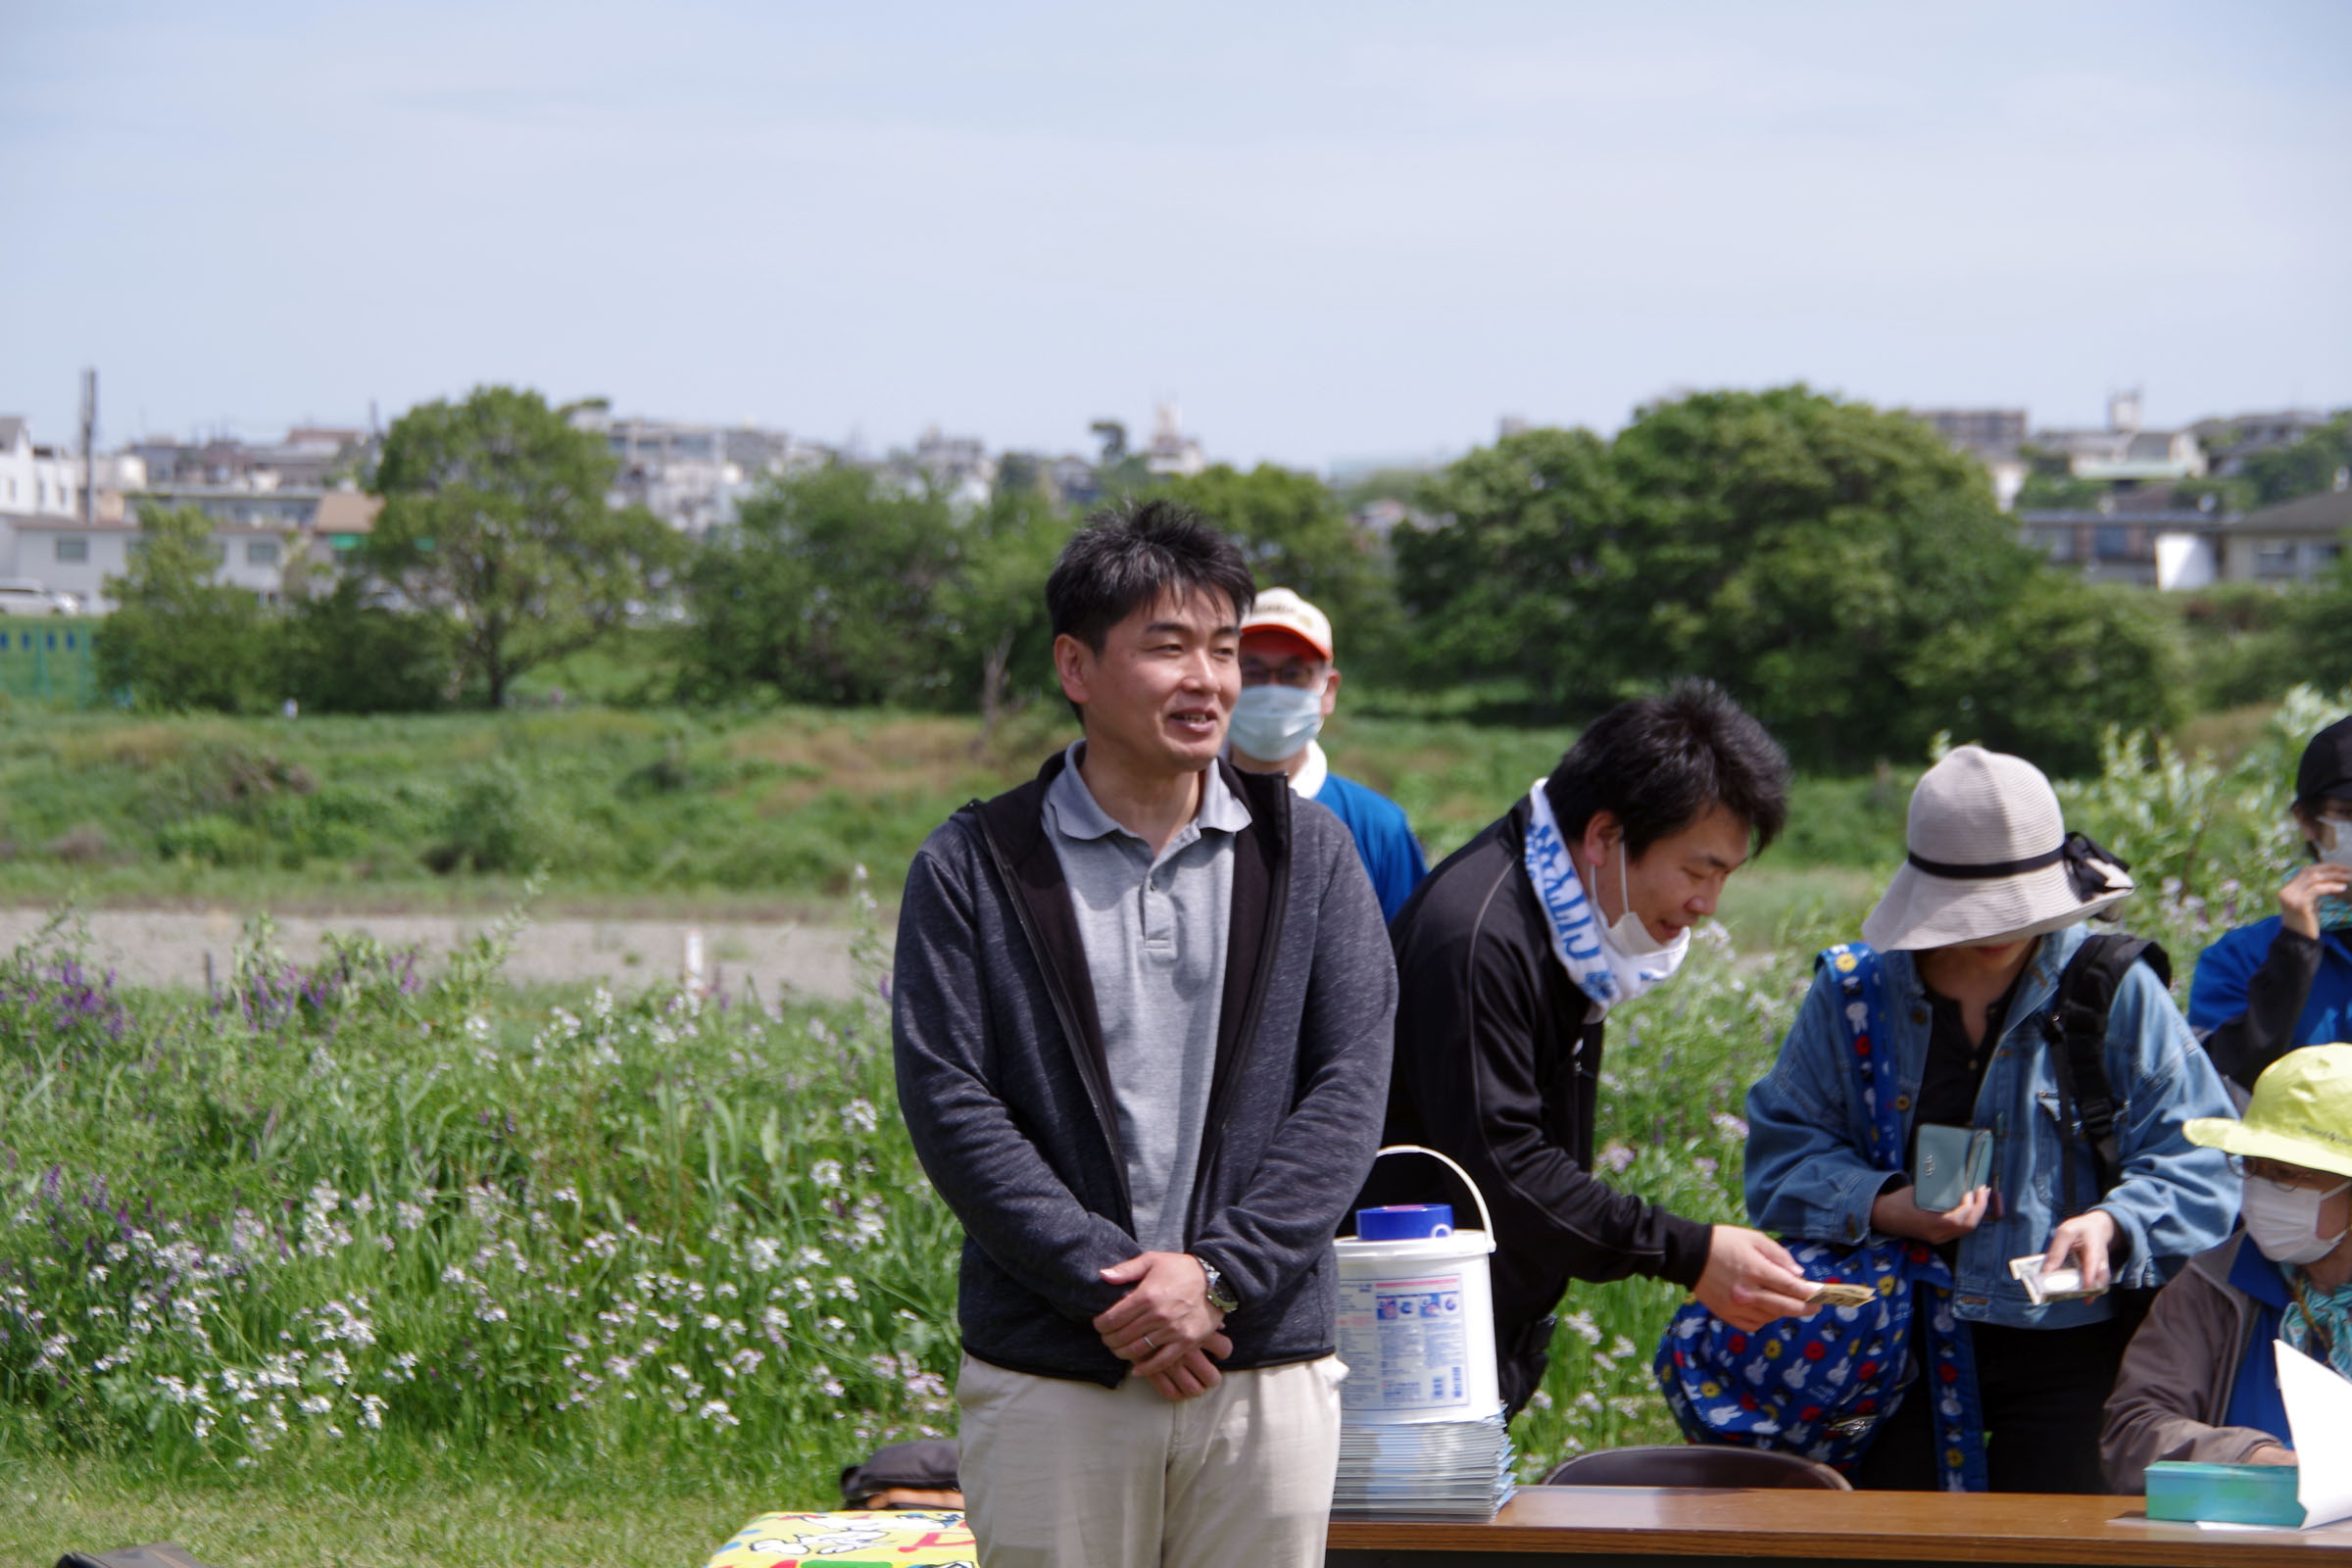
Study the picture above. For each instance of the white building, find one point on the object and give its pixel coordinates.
(692, 477)
(957, 467)
(36, 481)
(65, 554)
(2124, 450)
(1170, 453)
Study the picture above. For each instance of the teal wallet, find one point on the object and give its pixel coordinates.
(1953, 1163)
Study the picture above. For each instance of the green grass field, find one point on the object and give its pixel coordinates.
(627, 1517)
(660, 811)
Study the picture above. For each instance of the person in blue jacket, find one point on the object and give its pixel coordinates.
(1290, 685)
(2267, 988)
(1969, 941)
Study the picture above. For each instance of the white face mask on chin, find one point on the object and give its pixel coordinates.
(1612, 964)
(2285, 1226)
(1628, 934)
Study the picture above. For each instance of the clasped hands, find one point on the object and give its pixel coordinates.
(1166, 1325)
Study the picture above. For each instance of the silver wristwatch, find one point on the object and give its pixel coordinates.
(1219, 1297)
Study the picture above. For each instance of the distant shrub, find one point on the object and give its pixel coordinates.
(336, 653)
(493, 825)
(177, 639)
(2209, 844)
(212, 839)
(80, 845)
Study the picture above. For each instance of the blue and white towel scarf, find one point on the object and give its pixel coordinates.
(1608, 977)
(1820, 1386)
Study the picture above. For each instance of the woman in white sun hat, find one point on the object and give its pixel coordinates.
(1958, 976)
(2201, 1379)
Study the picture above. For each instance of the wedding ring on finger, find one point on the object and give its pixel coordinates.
(1147, 1344)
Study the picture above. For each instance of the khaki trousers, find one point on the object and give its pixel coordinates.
(1060, 1474)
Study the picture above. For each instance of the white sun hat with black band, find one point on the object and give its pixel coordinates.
(1990, 861)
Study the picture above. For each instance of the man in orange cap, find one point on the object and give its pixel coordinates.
(1290, 685)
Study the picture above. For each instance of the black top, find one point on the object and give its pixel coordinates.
(1954, 1072)
(1498, 1065)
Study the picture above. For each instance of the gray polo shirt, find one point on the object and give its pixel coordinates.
(1154, 931)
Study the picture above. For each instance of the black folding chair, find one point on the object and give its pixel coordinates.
(1696, 1465)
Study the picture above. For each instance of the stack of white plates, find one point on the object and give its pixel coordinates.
(1426, 1469)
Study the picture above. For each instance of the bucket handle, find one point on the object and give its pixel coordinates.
(1483, 1218)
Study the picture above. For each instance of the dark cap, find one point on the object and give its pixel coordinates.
(925, 1464)
(2326, 767)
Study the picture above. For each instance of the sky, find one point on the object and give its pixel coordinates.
(1330, 232)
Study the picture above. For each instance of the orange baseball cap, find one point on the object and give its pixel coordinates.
(1281, 610)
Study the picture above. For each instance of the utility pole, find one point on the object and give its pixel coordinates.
(89, 445)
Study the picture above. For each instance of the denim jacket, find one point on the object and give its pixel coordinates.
(1810, 1172)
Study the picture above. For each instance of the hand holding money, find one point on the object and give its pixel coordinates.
(1836, 1292)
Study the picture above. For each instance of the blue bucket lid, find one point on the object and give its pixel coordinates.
(1405, 1222)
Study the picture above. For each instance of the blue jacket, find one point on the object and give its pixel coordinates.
(1809, 1173)
(1385, 841)
(2259, 993)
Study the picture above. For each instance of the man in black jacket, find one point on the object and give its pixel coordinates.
(1513, 953)
(1142, 1021)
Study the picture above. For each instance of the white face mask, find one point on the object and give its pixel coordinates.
(1627, 933)
(2285, 1226)
(1600, 962)
(1273, 723)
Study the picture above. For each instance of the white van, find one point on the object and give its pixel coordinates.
(21, 596)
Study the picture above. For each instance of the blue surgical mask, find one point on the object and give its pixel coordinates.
(1273, 723)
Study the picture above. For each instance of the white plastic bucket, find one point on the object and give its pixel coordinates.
(1418, 1322)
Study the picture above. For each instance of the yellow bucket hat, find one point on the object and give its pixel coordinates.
(2301, 1113)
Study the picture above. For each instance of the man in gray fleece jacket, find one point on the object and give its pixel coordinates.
(1141, 1015)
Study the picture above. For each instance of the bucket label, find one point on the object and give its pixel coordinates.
(1405, 1341)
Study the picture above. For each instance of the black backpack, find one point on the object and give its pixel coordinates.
(2076, 1027)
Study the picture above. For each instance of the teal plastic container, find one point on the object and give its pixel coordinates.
(2234, 1494)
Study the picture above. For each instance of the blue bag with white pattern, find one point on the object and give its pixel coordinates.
(1820, 1386)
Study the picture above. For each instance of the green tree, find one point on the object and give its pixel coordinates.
(1001, 637)
(178, 638)
(1800, 550)
(826, 590)
(2245, 642)
(1527, 569)
(495, 512)
(2306, 468)
(2320, 623)
(1797, 547)
(2048, 670)
(339, 653)
(1297, 535)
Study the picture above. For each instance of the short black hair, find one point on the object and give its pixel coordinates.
(1659, 763)
(1133, 554)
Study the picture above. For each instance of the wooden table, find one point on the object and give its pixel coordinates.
(1596, 1526)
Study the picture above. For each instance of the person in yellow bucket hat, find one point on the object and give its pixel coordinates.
(2201, 1380)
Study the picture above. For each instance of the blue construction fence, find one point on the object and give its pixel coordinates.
(49, 660)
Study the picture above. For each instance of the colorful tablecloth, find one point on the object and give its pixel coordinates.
(902, 1535)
